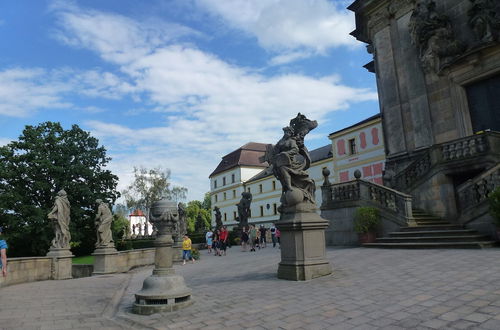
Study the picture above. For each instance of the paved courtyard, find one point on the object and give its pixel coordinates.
(369, 289)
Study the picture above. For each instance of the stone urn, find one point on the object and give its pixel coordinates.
(163, 290)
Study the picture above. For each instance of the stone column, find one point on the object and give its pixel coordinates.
(163, 290)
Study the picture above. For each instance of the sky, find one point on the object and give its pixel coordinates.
(178, 84)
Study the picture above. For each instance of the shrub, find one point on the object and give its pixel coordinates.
(494, 199)
(195, 253)
(366, 219)
(236, 241)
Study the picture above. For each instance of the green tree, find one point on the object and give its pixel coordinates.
(195, 210)
(45, 159)
(119, 227)
(150, 185)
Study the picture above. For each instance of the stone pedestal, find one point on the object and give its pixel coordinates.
(62, 263)
(163, 290)
(104, 260)
(303, 254)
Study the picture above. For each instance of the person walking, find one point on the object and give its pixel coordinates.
(273, 234)
(186, 250)
(252, 237)
(262, 241)
(3, 254)
(244, 239)
(224, 235)
(208, 237)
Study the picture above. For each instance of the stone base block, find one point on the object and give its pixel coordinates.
(62, 268)
(303, 255)
(162, 294)
(105, 261)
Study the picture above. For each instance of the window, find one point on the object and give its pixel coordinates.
(232, 178)
(275, 208)
(234, 193)
(261, 211)
(352, 146)
(215, 183)
(225, 216)
(274, 185)
(216, 199)
(234, 215)
(260, 188)
(224, 181)
(225, 197)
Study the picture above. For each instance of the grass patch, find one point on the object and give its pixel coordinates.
(85, 260)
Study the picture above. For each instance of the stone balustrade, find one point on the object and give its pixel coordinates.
(390, 200)
(455, 151)
(474, 192)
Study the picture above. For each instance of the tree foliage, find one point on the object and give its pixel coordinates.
(150, 185)
(45, 159)
(196, 213)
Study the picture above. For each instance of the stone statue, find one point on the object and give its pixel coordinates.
(433, 35)
(139, 229)
(182, 224)
(297, 188)
(103, 220)
(484, 19)
(244, 209)
(60, 216)
(200, 224)
(218, 218)
(146, 229)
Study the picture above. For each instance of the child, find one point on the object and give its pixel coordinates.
(186, 250)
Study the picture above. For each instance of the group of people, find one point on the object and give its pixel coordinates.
(217, 241)
(256, 238)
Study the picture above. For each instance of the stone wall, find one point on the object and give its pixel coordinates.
(122, 261)
(30, 269)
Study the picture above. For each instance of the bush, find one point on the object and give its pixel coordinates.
(236, 241)
(195, 253)
(197, 238)
(366, 219)
(494, 199)
(134, 244)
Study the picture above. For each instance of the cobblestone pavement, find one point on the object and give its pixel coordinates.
(369, 289)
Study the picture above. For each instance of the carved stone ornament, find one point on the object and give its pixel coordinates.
(432, 34)
(397, 5)
(484, 20)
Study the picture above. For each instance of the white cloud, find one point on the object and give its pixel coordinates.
(284, 25)
(4, 141)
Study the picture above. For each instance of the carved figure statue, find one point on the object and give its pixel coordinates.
(182, 224)
(484, 19)
(433, 35)
(60, 216)
(244, 209)
(218, 218)
(297, 187)
(103, 220)
(139, 229)
(199, 224)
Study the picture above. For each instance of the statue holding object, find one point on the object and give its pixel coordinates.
(244, 209)
(297, 188)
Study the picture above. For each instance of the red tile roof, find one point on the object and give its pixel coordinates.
(137, 213)
(247, 155)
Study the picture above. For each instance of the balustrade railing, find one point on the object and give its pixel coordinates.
(457, 150)
(475, 191)
(390, 200)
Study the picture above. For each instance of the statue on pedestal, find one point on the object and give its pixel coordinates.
(218, 218)
(103, 220)
(244, 209)
(60, 216)
(182, 224)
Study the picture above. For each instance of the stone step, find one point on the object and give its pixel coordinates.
(431, 233)
(431, 227)
(427, 222)
(435, 239)
(433, 245)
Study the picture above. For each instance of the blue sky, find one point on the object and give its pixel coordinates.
(180, 83)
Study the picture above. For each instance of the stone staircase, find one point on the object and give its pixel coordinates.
(433, 233)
